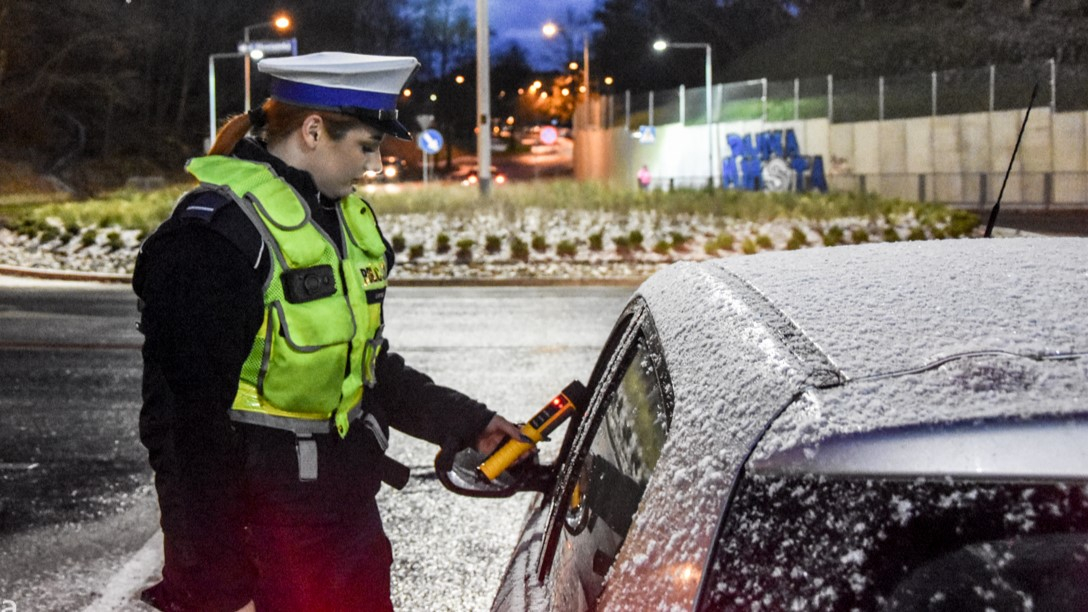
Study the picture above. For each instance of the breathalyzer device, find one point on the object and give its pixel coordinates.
(573, 397)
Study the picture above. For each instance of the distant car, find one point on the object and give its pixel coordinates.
(393, 169)
(472, 177)
(893, 426)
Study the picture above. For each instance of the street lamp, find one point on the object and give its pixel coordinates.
(549, 30)
(661, 45)
(280, 22)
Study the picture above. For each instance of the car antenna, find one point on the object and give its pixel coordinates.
(997, 205)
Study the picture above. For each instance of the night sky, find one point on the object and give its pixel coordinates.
(520, 20)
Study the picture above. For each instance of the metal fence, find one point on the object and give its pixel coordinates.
(1062, 87)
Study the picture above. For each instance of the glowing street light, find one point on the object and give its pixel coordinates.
(662, 45)
(459, 79)
(549, 30)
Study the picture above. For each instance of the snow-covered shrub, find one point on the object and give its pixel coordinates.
(797, 239)
(519, 250)
(833, 236)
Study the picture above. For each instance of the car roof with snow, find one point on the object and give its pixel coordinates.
(881, 308)
(885, 356)
(885, 337)
(877, 311)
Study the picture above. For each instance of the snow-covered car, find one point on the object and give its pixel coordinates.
(893, 426)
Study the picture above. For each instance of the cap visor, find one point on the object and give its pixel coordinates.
(395, 128)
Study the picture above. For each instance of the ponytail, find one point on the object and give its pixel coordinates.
(236, 129)
(276, 120)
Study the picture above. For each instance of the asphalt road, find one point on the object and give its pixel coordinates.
(70, 361)
(76, 505)
(1064, 222)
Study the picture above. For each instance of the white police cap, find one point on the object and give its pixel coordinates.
(363, 86)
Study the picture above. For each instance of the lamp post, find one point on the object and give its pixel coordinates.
(211, 92)
(281, 23)
(661, 45)
(483, 98)
(550, 29)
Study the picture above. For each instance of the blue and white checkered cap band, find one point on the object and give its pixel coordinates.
(323, 96)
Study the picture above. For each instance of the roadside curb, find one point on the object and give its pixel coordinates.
(101, 277)
(123, 588)
(72, 275)
(516, 282)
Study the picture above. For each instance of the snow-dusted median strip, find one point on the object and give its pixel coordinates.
(121, 591)
(69, 275)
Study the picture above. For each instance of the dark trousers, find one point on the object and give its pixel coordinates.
(319, 567)
(316, 545)
(299, 546)
(313, 568)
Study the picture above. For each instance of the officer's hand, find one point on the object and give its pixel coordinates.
(495, 432)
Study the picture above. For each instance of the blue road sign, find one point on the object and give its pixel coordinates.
(429, 141)
(647, 134)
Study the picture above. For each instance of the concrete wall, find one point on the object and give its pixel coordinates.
(955, 153)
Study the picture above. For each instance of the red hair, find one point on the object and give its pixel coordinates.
(282, 120)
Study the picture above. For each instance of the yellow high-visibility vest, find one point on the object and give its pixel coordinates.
(318, 344)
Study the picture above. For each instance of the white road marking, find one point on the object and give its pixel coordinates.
(120, 592)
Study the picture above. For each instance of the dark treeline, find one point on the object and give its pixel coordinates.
(126, 80)
(782, 39)
(853, 38)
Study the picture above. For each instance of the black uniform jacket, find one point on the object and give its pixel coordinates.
(199, 277)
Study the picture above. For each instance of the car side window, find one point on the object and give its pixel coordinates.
(632, 424)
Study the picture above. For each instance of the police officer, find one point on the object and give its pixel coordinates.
(268, 387)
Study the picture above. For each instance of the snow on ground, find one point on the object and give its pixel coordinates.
(579, 244)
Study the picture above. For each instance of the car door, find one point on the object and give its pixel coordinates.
(607, 468)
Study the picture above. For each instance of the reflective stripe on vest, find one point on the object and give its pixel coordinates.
(317, 346)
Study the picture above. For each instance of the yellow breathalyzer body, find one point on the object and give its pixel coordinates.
(543, 422)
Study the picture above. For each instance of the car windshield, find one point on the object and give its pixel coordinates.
(815, 543)
(957, 486)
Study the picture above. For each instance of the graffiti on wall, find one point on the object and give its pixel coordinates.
(771, 161)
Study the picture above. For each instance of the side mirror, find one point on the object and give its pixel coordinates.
(457, 472)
